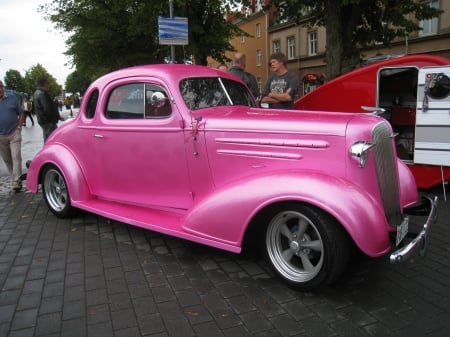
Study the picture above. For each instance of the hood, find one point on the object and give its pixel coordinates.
(244, 119)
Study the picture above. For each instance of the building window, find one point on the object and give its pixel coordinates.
(430, 26)
(276, 46)
(312, 43)
(258, 30)
(291, 48)
(258, 57)
(242, 38)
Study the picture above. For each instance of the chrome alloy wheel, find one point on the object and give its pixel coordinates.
(55, 190)
(295, 246)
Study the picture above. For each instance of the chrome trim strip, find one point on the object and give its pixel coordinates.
(302, 143)
(262, 154)
(420, 242)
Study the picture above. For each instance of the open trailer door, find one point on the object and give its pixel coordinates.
(432, 135)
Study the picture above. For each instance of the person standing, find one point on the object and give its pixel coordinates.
(238, 68)
(45, 110)
(11, 121)
(281, 88)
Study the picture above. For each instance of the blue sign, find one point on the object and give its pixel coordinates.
(173, 30)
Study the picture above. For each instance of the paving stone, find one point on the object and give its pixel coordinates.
(150, 324)
(100, 329)
(286, 325)
(49, 324)
(24, 319)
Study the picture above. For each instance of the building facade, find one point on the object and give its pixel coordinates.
(305, 46)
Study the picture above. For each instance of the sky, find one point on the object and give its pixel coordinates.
(26, 39)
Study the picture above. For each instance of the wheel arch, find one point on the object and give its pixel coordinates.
(238, 207)
(61, 158)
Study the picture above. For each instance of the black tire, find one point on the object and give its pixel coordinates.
(56, 194)
(305, 246)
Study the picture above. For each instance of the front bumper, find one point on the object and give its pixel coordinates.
(418, 245)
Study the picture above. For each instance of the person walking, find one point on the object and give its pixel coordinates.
(45, 110)
(27, 106)
(238, 68)
(281, 88)
(11, 121)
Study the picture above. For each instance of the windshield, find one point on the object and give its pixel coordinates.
(205, 92)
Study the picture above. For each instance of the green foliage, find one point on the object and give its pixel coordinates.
(106, 35)
(76, 82)
(15, 81)
(354, 25)
(32, 75)
(27, 84)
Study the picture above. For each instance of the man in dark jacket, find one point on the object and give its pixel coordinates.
(238, 69)
(46, 112)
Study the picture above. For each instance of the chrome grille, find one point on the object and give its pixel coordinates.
(386, 167)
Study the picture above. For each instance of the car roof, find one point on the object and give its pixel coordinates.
(172, 73)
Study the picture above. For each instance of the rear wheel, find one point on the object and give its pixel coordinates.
(305, 246)
(55, 192)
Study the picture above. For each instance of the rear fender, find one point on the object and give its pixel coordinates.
(225, 215)
(63, 159)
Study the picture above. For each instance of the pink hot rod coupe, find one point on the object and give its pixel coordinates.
(183, 150)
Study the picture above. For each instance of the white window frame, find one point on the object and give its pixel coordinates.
(258, 57)
(276, 46)
(429, 26)
(290, 41)
(258, 30)
(312, 43)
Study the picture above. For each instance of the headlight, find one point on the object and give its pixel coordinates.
(360, 152)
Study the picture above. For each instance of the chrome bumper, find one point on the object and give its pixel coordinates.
(420, 242)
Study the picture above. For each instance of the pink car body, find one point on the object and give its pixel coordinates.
(214, 171)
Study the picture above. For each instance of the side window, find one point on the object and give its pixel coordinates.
(157, 103)
(199, 93)
(91, 105)
(126, 102)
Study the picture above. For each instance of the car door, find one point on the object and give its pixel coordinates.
(139, 147)
(432, 134)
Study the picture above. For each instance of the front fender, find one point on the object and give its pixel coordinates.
(409, 194)
(63, 159)
(225, 215)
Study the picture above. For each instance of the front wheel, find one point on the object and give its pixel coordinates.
(305, 246)
(55, 192)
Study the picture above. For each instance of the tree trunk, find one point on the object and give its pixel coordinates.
(334, 44)
(342, 54)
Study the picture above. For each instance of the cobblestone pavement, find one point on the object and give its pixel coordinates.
(88, 276)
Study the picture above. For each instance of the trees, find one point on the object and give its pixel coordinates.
(15, 81)
(31, 76)
(27, 84)
(354, 25)
(107, 35)
(75, 82)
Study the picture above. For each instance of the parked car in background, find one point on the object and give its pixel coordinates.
(183, 150)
